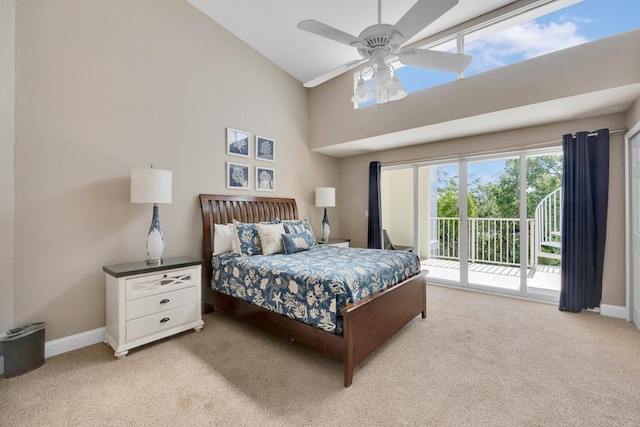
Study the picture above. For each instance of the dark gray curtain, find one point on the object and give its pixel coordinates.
(585, 197)
(374, 237)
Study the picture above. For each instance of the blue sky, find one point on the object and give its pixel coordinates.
(487, 170)
(580, 23)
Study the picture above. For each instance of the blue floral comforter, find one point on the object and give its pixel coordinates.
(312, 286)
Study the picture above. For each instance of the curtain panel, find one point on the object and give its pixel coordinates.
(585, 198)
(374, 232)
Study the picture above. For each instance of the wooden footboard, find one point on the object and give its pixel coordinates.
(372, 321)
(367, 324)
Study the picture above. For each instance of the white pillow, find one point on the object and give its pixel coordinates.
(235, 244)
(223, 238)
(271, 238)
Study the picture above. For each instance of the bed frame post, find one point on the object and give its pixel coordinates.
(348, 356)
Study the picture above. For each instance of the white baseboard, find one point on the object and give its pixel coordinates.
(70, 343)
(73, 342)
(618, 311)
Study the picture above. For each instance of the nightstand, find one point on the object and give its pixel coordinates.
(344, 243)
(146, 303)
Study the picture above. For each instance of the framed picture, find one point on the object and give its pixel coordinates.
(265, 179)
(238, 176)
(237, 143)
(265, 149)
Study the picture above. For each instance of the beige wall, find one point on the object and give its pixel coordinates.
(397, 205)
(7, 74)
(104, 87)
(633, 115)
(354, 181)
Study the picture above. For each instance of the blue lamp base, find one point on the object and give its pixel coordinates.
(155, 240)
(326, 230)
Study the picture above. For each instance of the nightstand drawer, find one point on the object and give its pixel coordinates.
(160, 321)
(159, 283)
(156, 303)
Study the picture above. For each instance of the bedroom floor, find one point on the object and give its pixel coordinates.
(476, 360)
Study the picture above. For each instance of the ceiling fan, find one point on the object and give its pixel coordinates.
(381, 43)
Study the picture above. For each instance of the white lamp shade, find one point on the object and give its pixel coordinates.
(151, 186)
(325, 197)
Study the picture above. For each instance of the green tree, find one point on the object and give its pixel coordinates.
(448, 198)
(501, 199)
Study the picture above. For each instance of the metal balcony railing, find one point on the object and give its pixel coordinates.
(491, 240)
(548, 218)
(497, 240)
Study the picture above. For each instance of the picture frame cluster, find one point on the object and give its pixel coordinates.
(239, 174)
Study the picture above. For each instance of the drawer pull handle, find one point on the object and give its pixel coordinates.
(164, 319)
(164, 301)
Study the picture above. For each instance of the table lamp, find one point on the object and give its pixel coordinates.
(325, 198)
(152, 186)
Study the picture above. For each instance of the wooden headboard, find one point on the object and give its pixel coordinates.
(218, 209)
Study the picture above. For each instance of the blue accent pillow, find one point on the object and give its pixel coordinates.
(248, 237)
(300, 226)
(295, 242)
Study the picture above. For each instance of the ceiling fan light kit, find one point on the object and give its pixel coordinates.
(382, 43)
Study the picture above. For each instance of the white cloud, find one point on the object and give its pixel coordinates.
(578, 19)
(522, 42)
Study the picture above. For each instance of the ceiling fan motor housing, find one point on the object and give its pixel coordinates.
(379, 37)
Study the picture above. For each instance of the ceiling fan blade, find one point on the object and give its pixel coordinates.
(324, 30)
(444, 61)
(334, 73)
(423, 13)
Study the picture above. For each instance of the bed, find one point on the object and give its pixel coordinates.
(362, 326)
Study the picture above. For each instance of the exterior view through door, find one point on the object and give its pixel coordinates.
(489, 223)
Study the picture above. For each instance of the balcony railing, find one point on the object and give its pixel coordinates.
(497, 240)
(490, 240)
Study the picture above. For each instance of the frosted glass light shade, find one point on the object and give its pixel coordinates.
(325, 197)
(362, 92)
(151, 186)
(397, 91)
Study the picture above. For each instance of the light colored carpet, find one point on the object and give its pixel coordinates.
(476, 360)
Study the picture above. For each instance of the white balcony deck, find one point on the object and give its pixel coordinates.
(546, 279)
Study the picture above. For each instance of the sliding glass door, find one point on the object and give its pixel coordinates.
(490, 223)
(494, 228)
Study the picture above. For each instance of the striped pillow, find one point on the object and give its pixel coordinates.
(300, 226)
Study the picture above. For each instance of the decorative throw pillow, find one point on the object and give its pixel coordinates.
(270, 238)
(223, 237)
(247, 239)
(295, 242)
(300, 226)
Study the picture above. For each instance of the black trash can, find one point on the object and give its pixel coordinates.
(23, 349)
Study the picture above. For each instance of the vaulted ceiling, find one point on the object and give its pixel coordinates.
(270, 27)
